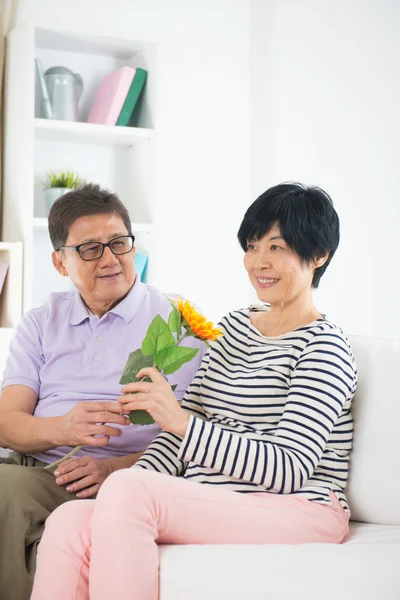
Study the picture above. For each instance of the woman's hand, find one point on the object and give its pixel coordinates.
(158, 399)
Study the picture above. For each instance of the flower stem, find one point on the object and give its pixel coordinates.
(66, 457)
(180, 339)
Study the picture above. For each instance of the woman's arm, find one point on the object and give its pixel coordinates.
(323, 380)
(162, 454)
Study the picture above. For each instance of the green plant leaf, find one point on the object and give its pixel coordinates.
(158, 337)
(140, 417)
(174, 320)
(171, 359)
(63, 179)
(135, 362)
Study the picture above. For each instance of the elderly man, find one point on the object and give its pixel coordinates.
(60, 384)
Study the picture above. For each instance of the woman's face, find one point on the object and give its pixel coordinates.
(276, 271)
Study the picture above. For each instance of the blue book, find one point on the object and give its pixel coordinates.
(140, 265)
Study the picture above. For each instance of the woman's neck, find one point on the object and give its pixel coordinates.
(283, 318)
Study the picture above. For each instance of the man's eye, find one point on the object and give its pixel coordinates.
(250, 247)
(275, 247)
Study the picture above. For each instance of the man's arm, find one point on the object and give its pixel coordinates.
(21, 431)
(87, 423)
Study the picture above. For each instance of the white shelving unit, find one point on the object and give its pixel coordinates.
(119, 158)
(10, 297)
(89, 133)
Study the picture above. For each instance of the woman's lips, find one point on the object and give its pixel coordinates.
(266, 282)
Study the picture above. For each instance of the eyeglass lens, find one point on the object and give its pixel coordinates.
(93, 250)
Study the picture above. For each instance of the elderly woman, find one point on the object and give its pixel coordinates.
(258, 451)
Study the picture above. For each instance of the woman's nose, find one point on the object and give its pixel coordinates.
(263, 261)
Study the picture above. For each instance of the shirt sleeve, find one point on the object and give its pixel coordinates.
(25, 358)
(323, 381)
(162, 454)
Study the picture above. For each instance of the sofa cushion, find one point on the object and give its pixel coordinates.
(280, 572)
(367, 533)
(373, 490)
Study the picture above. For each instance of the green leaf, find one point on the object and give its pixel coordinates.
(174, 320)
(135, 362)
(140, 417)
(158, 337)
(171, 359)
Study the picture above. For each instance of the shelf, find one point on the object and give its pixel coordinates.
(89, 133)
(41, 223)
(84, 43)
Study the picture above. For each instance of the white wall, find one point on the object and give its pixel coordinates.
(325, 98)
(325, 106)
(203, 133)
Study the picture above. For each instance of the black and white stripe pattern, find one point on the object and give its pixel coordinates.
(267, 414)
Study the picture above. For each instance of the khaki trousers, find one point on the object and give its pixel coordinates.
(28, 494)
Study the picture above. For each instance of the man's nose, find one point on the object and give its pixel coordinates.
(108, 257)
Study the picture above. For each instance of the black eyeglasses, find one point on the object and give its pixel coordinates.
(95, 250)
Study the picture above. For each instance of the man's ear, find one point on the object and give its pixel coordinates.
(58, 263)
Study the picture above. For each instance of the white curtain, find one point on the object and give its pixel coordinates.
(8, 11)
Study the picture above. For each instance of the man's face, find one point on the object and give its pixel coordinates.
(106, 280)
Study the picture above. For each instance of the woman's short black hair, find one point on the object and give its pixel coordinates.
(305, 216)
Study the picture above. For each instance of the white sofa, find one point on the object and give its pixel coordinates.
(366, 566)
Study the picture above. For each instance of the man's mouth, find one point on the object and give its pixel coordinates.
(110, 276)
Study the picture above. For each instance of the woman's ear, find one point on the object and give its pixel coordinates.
(318, 262)
(58, 263)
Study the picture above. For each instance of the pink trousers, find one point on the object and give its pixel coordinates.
(108, 547)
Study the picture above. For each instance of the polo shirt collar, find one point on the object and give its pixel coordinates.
(126, 309)
(129, 306)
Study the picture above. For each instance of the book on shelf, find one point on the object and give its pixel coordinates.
(132, 98)
(117, 96)
(3, 274)
(140, 265)
(111, 96)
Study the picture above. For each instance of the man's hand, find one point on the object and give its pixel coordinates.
(88, 419)
(85, 475)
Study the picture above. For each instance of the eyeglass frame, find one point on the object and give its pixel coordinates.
(77, 248)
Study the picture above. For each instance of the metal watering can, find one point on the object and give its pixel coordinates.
(61, 90)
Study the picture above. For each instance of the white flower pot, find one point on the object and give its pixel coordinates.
(51, 195)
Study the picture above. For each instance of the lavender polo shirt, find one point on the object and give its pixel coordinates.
(66, 355)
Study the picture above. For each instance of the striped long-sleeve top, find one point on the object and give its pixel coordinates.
(267, 414)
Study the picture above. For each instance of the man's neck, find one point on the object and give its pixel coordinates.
(100, 308)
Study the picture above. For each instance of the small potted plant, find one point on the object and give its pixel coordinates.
(58, 183)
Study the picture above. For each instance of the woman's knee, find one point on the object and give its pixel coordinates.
(71, 518)
(126, 485)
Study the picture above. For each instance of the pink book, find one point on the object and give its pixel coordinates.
(111, 96)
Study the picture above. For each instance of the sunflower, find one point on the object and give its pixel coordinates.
(196, 323)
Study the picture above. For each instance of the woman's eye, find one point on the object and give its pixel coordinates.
(275, 247)
(250, 247)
